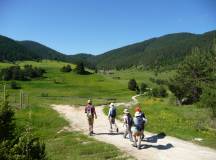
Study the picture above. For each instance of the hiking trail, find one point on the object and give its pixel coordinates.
(154, 147)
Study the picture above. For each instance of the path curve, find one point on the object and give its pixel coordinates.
(155, 147)
(131, 103)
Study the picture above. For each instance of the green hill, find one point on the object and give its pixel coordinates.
(10, 50)
(163, 51)
(43, 51)
(166, 51)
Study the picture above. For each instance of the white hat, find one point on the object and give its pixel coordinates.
(126, 111)
(137, 114)
(111, 104)
(89, 101)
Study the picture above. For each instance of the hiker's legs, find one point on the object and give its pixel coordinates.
(129, 133)
(90, 122)
(139, 141)
(116, 127)
(110, 120)
(126, 132)
(135, 141)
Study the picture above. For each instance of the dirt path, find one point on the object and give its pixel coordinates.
(155, 147)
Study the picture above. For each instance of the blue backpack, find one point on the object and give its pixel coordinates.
(113, 112)
(139, 123)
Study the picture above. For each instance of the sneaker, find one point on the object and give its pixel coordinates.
(134, 145)
(139, 147)
(117, 130)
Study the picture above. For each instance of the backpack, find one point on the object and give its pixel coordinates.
(113, 112)
(139, 123)
(89, 111)
(129, 120)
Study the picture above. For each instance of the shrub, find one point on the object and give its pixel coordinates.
(208, 99)
(80, 69)
(15, 85)
(7, 125)
(132, 85)
(17, 147)
(159, 92)
(143, 88)
(16, 73)
(66, 68)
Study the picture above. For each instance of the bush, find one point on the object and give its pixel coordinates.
(143, 88)
(80, 69)
(17, 147)
(159, 92)
(16, 73)
(15, 85)
(132, 85)
(66, 68)
(7, 125)
(208, 99)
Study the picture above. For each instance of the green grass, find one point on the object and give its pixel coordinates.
(184, 122)
(187, 122)
(46, 123)
(70, 87)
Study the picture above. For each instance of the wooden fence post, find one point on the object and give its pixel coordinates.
(21, 99)
(4, 93)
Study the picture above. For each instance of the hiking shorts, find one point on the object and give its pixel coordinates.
(136, 132)
(90, 120)
(112, 120)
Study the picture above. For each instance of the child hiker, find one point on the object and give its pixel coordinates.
(128, 121)
(91, 114)
(112, 116)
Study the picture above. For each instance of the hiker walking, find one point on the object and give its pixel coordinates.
(128, 121)
(91, 114)
(137, 129)
(138, 109)
(112, 116)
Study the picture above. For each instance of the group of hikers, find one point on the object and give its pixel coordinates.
(134, 126)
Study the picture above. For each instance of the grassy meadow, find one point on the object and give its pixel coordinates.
(186, 122)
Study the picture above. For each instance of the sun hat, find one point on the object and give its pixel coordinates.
(89, 101)
(126, 111)
(111, 104)
(137, 114)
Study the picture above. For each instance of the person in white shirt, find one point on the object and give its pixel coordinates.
(111, 116)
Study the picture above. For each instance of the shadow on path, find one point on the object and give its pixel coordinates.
(119, 133)
(154, 138)
(160, 147)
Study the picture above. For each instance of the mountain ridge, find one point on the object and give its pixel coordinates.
(169, 49)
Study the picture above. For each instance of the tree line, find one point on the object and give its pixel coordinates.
(17, 73)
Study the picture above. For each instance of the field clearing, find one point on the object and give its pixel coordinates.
(56, 87)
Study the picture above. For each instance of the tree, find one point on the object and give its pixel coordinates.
(208, 98)
(14, 85)
(80, 69)
(66, 68)
(143, 87)
(195, 70)
(159, 92)
(7, 124)
(132, 85)
(14, 146)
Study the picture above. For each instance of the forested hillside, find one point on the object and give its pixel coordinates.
(166, 50)
(42, 51)
(10, 50)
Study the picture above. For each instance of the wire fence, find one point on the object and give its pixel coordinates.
(18, 99)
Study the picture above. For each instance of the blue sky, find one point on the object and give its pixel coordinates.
(96, 26)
